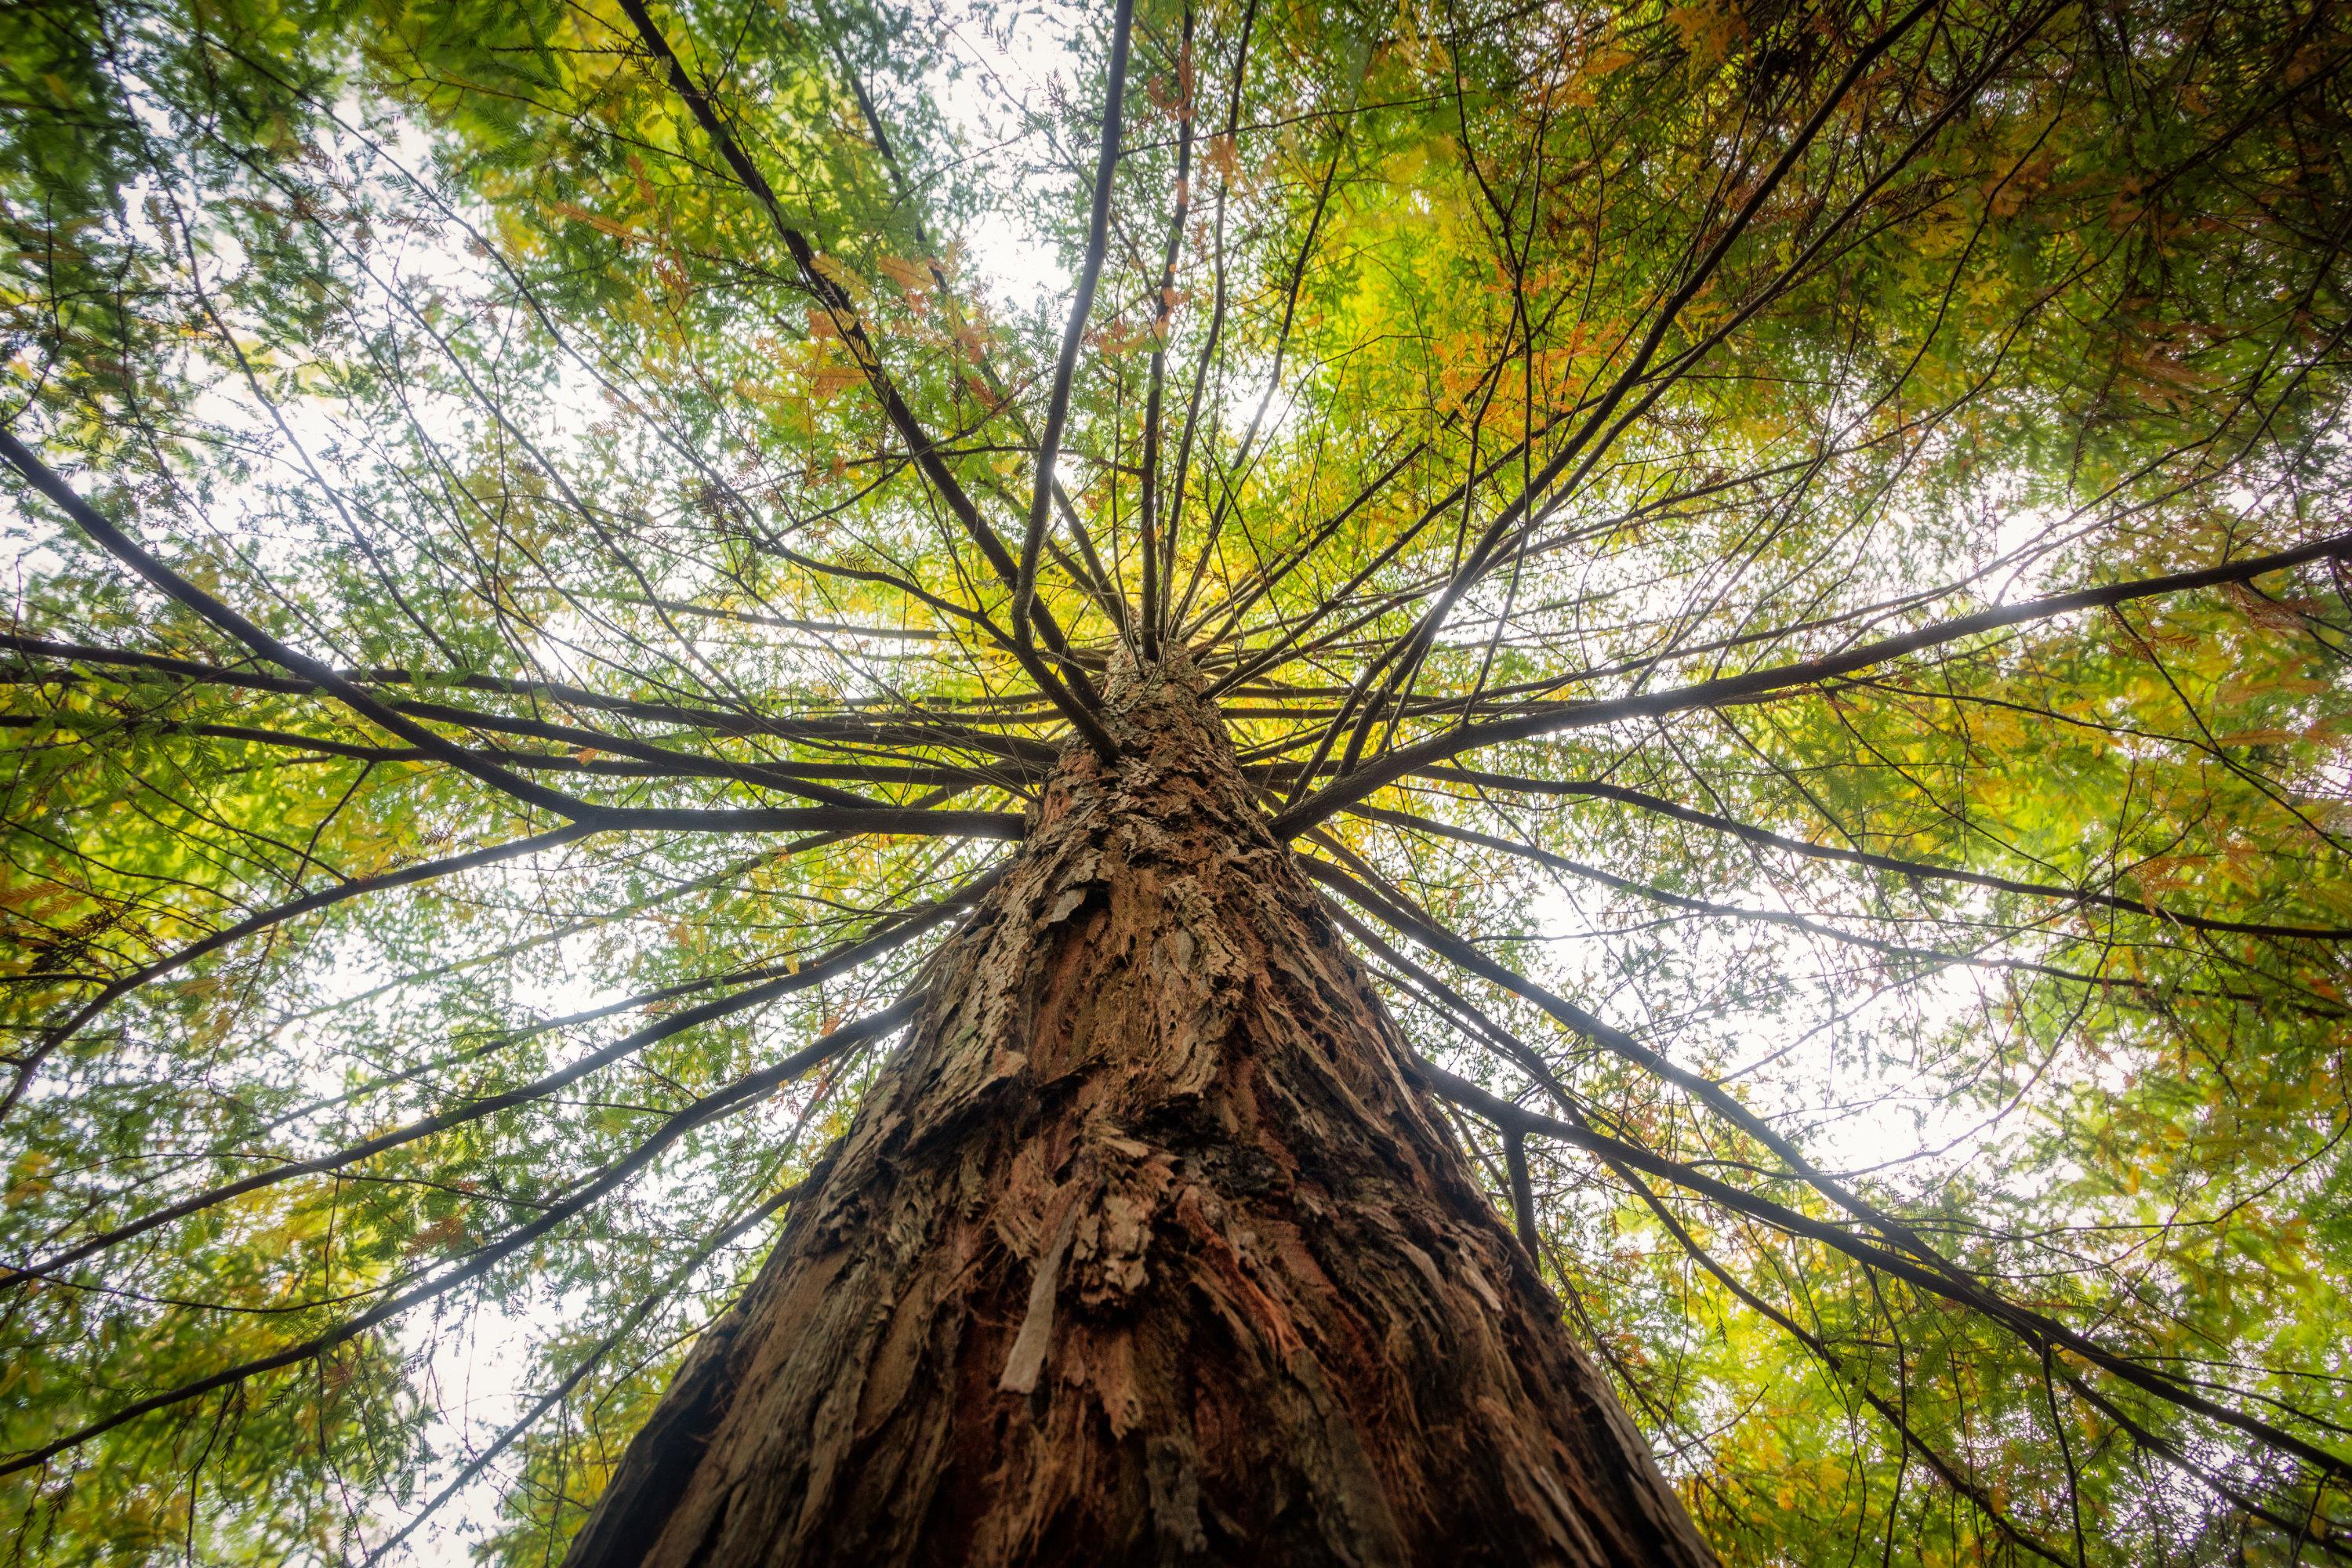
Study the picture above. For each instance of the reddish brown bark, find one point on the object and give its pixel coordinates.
(1144, 1251)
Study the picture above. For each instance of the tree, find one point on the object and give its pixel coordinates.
(1591, 797)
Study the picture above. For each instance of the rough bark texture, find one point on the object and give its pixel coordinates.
(1145, 1252)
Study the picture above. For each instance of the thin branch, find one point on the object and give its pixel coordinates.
(735, 1095)
(1729, 690)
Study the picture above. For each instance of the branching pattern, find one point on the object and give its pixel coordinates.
(1783, 564)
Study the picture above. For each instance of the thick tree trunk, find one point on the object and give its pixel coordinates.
(1145, 1251)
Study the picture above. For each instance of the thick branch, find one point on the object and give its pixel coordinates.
(1921, 869)
(1075, 705)
(2033, 1327)
(801, 978)
(1419, 757)
(736, 1096)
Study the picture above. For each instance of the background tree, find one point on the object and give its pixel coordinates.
(1781, 565)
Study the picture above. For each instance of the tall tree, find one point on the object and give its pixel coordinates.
(1177, 782)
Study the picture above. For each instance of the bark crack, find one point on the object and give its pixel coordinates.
(1143, 1250)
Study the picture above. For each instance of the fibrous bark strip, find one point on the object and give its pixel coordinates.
(1145, 1251)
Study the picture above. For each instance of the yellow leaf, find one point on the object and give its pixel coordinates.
(915, 277)
(1708, 31)
(841, 276)
(826, 379)
(1607, 58)
(595, 220)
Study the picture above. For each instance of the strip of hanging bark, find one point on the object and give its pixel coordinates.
(1146, 1248)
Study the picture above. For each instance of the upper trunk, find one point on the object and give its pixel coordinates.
(1145, 1250)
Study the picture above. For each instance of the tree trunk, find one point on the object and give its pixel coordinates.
(1144, 1251)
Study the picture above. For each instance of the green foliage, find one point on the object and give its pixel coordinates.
(1518, 362)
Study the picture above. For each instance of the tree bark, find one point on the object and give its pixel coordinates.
(1145, 1251)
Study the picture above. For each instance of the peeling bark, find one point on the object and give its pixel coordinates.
(1144, 1251)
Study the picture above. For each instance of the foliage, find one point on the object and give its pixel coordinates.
(1612, 463)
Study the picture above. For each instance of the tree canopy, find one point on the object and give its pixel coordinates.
(1782, 561)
